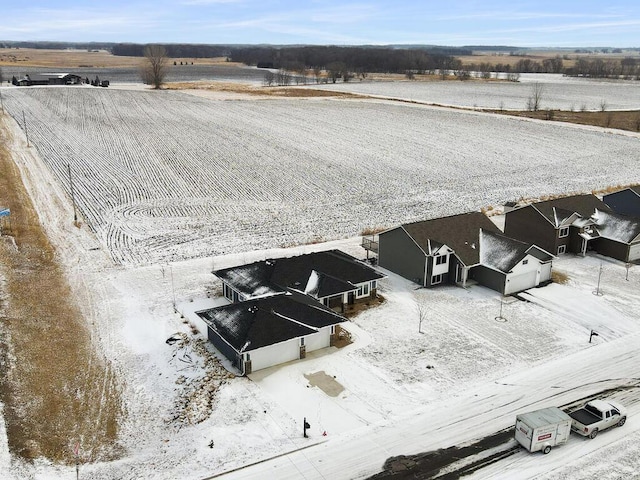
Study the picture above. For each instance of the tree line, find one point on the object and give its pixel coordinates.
(628, 67)
(353, 59)
(176, 50)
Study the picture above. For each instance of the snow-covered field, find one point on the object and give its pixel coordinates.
(464, 378)
(564, 93)
(163, 175)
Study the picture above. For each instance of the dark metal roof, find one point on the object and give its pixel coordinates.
(269, 320)
(337, 272)
(460, 232)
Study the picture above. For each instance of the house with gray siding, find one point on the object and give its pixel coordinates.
(561, 225)
(624, 202)
(619, 236)
(576, 224)
(462, 249)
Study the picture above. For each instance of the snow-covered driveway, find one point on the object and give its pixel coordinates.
(473, 414)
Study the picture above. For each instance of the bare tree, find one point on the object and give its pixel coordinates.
(534, 101)
(422, 310)
(154, 70)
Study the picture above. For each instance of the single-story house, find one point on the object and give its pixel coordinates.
(462, 249)
(561, 225)
(332, 277)
(267, 331)
(624, 202)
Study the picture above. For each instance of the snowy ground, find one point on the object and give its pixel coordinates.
(165, 176)
(465, 377)
(564, 93)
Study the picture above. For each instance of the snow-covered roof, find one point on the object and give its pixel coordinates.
(269, 320)
(503, 253)
(459, 232)
(617, 227)
(558, 210)
(322, 274)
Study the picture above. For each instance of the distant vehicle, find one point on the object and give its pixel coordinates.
(104, 83)
(543, 429)
(597, 415)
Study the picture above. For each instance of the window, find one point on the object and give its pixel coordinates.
(227, 291)
(562, 249)
(564, 232)
(436, 279)
(302, 341)
(524, 262)
(441, 259)
(374, 285)
(363, 290)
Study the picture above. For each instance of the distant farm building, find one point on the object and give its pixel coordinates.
(50, 79)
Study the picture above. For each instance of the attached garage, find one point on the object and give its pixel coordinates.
(271, 330)
(518, 283)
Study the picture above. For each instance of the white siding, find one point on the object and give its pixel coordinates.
(275, 354)
(545, 272)
(634, 252)
(318, 340)
(287, 351)
(524, 276)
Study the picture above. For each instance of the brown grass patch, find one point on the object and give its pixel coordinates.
(372, 230)
(33, 57)
(559, 277)
(56, 389)
(293, 91)
(356, 308)
(621, 120)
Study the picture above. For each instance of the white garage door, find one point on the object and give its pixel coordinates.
(517, 283)
(634, 252)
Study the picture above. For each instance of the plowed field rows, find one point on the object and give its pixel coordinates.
(164, 175)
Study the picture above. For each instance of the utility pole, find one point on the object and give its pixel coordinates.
(24, 123)
(598, 292)
(73, 197)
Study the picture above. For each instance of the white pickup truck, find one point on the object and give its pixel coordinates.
(597, 415)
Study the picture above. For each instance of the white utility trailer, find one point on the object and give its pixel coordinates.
(543, 429)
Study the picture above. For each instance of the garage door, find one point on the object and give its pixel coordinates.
(634, 252)
(517, 283)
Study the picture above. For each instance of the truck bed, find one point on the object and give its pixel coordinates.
(584, 417)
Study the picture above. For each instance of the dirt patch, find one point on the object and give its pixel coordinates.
(253, 90)
(56, 389)
(35, 57)
(353, 310)
(621, 120)
(324, 382)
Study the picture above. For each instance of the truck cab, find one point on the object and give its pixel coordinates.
(597, 415)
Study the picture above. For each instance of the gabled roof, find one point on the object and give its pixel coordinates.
(460, 232)
(558, 210)
(335, 272)
(635, 189)
(503, 253)
(269, 320)
(620, 228)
